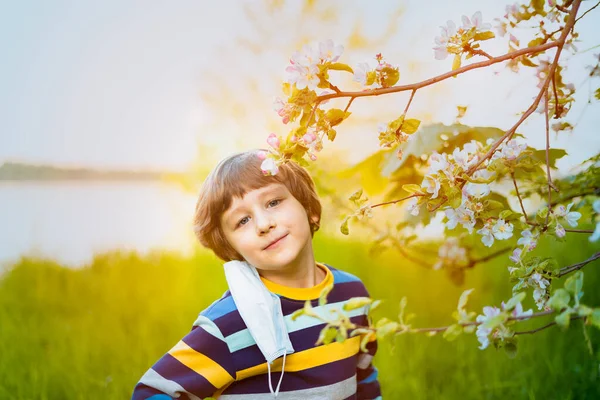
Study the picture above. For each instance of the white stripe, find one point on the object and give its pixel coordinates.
(209, 327)
(242, 339)
(154, 380)
(336, 391)
(364, 360)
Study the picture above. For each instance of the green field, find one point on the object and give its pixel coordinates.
(91, 333)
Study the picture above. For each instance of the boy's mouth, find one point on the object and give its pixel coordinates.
(275, 242)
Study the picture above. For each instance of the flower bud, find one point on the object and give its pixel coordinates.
(273, 140)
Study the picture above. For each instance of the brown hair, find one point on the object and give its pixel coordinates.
(234, 177)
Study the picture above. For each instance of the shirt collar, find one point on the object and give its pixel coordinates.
(293, 293)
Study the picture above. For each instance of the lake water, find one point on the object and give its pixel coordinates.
(70, 221)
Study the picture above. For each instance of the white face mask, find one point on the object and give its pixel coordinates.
(261, 312)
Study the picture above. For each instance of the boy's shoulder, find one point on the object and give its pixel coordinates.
(220, 307)
(346, 279)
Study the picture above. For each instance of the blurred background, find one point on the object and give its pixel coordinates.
(112, 113)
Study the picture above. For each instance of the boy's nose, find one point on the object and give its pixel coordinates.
(264, 224)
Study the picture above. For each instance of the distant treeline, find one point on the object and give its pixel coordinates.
(11, 171)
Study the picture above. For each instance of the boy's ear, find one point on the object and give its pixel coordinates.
(314, 219)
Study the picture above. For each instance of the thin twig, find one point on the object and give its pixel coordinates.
(548, 153)
(566, 270)
(544, 327)
(493, 255)
(583, 15)
(412, 94)
(397, 201)
(349, 103)
(519, 318)
(579, 230)
(482, 53)
(512, 175)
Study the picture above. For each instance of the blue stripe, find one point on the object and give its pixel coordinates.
(342, 276)
(160, 397)
(219, 308)
(370, 378)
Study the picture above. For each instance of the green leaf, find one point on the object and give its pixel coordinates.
(560, 299)
(296, 314)
(331, 133)
(357, 302)
(344, 227)
(484, 35)
(386, 327)
(365, 341)
(323, 295)
(456, 62)
(510, 348)
(340, 67)
(335, 116)
(328, 334)
(563, 319)
(410, 126)
(392, 75)
(452, 332)
(594, 319)
(574, 283)
(516, 299)
(535, 42)
(464, 297)
(356, 195)
(553, 155)
(495, 321)
(526, 61)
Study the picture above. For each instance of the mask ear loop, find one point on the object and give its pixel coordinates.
(276, 392)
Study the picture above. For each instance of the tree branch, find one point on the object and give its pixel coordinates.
(439, 78)
(548, 153)
(566, 270)
(559, 44)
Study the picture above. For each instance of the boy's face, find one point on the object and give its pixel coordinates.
(269, 228)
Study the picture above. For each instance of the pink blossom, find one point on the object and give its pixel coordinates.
(516, 255)
(273, 141)
(309, 138)
(261, 155)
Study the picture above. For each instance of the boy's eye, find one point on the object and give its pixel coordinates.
(275, 202)
(243, 221)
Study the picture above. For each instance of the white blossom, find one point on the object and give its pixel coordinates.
(486, 235)
(502, 230)
(269, 167)
(329, 52)
(512, 149)
(479, 190)
(596, 235)
(483, 333)
(527, 240)
(559, 231)
(413, 206)
(431, 185)
(462, 215)
(360, 73)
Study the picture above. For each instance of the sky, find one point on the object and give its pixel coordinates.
(127, 84)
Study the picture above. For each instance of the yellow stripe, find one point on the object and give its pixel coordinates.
(308, 358)
(201, 364)
(301, 293)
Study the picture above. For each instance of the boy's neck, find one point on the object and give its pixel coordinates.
(305, 275)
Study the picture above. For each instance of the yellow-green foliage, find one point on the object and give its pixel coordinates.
(91, 333)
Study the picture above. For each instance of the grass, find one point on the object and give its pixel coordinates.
(90, 333)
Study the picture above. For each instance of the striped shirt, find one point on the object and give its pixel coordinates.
(220, 358)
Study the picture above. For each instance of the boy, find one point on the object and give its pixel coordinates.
(263, 227)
